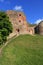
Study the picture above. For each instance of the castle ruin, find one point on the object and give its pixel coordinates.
(20, 25)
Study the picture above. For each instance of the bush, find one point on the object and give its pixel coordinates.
(4, 38)
(1, 40)
(4, 32)
(5, 27)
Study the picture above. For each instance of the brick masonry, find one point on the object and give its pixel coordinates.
(18, 20)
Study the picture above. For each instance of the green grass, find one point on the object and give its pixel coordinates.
(23, 50)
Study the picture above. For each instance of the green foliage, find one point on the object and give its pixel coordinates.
(4, 38)
(1, 41)
(4, 32)
(5, 26)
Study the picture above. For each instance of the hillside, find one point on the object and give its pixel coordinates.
(23, 50)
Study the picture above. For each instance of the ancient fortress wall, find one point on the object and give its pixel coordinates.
(39, 28)
(18, 20)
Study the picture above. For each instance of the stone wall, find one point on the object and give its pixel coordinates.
(18, 20)
(39, 28)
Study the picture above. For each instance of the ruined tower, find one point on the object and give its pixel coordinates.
(18, 21)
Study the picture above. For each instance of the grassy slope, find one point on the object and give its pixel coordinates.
(24, 50)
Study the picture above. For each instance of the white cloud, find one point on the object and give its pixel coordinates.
(18, 8)
(1, 0)
(38, 21)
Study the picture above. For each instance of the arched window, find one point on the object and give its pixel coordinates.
(19, 14)
(17, 30)
(19, 20)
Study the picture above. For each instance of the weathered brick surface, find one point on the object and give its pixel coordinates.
(18, 20)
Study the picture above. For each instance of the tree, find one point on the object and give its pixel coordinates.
(1, 40)
(5, 27)
(4, 32)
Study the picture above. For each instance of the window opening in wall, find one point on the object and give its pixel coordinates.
(17, 30)
(19, 14)
(19, 20)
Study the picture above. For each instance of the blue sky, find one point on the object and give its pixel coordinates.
(33, 9)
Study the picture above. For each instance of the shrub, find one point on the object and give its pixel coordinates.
(4, 32)
(4, 38)
(5, 27)
(1, 40)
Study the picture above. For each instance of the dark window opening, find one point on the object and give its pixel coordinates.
(17, 30)
(19, 14)
(19, 20)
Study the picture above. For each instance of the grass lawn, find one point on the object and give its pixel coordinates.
(23, 50)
